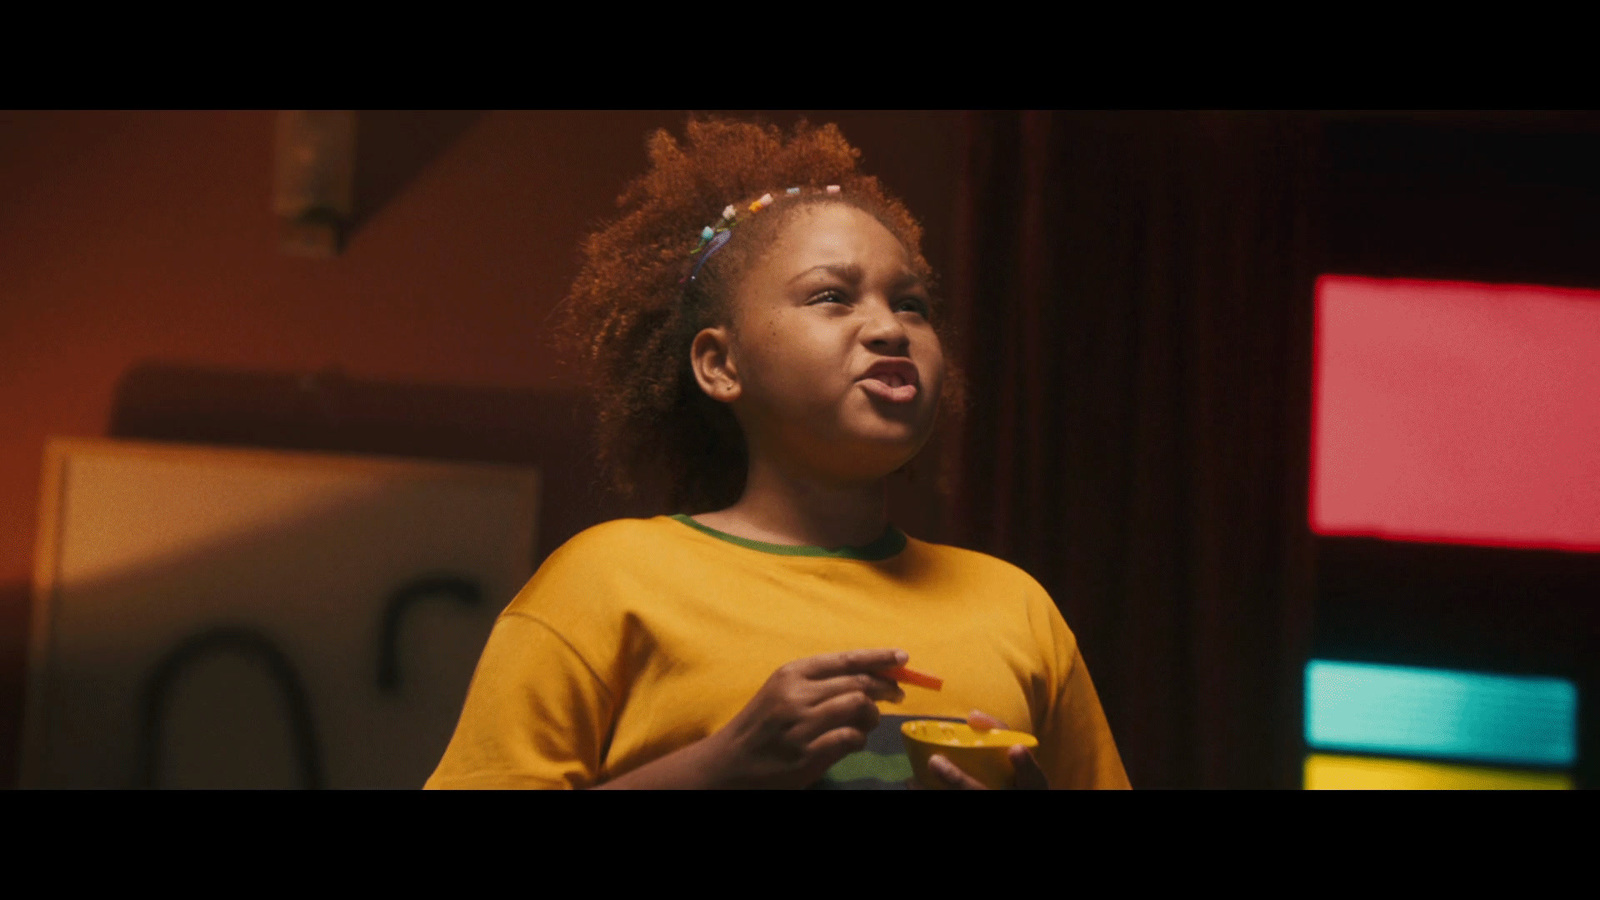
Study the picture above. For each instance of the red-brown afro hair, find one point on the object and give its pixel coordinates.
(631, 317)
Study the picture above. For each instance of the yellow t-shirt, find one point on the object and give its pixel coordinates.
(641, 636)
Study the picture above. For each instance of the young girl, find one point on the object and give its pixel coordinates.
(765, 346)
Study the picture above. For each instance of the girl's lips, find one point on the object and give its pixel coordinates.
(892, 380)
(905, 393)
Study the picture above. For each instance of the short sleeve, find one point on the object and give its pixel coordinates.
(1076, 749)
(535, 715)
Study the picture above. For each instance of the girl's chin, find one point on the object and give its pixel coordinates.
(883, 460)
(861, 455)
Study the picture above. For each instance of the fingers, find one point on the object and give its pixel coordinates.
(844, 723)
(852, 711)
(872, 686)
(808, 715)
(951, 775)
(832, 674)
(1029, 776)
(835, 745)
(851, 662)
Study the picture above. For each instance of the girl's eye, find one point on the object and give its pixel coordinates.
(830, 297)
(914, 304)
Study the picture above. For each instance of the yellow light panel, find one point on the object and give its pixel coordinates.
(1328, 772)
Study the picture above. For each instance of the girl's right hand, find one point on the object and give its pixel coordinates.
(810, 714)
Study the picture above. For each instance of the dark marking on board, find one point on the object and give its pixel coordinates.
(459, 588)
(250, 644)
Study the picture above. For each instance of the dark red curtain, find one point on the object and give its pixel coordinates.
(1135, 294)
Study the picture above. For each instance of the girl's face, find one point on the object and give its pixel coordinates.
(833, 368)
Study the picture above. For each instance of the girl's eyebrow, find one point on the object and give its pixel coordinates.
(852, 274)
(848, 271)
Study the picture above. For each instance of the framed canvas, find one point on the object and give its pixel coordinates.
(230, 618)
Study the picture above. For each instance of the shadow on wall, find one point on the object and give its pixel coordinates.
(328, 412)
(392, 148)
(13, 680)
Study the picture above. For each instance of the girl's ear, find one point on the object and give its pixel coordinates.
(711, 356)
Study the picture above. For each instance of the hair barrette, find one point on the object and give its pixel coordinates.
(715, 235)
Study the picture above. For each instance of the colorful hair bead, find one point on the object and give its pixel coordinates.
(712, 237)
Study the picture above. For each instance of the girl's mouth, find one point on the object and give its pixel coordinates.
(890, 387)
(892, 380)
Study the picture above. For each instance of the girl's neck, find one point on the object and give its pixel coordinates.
(778, 509)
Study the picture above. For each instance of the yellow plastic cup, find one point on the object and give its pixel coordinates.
(981, 754)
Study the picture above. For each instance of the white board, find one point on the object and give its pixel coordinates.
(210, 617)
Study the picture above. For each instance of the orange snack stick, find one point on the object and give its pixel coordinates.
(911, 676)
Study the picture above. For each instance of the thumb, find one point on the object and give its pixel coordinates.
(982, 721)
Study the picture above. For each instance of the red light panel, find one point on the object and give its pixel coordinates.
(1451, 412)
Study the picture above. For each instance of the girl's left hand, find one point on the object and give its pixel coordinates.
(1029, 776)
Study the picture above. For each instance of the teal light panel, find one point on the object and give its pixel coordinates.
(1406, 711)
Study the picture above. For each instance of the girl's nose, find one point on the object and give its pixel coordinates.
(884, 331)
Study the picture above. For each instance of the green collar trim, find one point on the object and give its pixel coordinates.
(890, 544)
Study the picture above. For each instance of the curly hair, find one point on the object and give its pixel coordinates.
(631, 318)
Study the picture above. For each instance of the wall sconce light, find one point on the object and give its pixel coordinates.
(314, 184)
